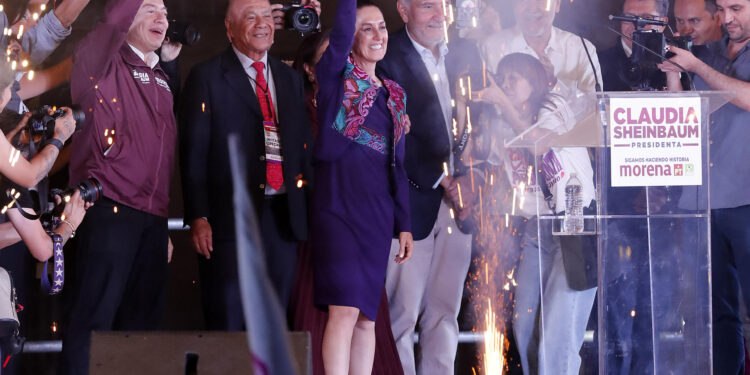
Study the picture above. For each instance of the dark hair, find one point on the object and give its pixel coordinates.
(14, 10)
(533, 71)
(366, 3)
(307, 52)
(710, 6)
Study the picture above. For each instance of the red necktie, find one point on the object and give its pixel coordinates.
(274, 176)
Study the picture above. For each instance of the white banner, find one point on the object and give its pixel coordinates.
(655, 141)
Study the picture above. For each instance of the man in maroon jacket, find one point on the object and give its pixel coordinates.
(127, 144)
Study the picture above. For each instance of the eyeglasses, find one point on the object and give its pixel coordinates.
(649, 17)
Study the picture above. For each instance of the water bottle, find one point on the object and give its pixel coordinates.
(573, 221)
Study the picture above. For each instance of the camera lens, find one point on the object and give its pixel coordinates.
(182, 32)
(91, 190)
(303, 19)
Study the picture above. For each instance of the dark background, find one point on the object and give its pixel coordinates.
(584, 17)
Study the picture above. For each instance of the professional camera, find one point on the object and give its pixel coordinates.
(42, 121)
(657, 42)
(183, 33)
(301, 18)
(650, 47)
(91, 191)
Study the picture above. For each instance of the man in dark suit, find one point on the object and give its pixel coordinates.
(427, 291)
(247, 92)
(619, 72)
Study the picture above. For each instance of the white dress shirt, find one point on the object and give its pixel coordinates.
(575, 77)
(439, 76)
(151, 58)
(565, 51)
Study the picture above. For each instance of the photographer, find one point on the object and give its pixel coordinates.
(19, 170)
(726, 67)
(33, 234)
(619, 72)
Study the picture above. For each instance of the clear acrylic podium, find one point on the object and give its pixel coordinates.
(643, 253)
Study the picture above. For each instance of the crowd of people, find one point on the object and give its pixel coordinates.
(371, 162)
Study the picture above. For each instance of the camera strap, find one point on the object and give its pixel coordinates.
(58, 277)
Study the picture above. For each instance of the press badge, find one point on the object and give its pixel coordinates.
(273, 144)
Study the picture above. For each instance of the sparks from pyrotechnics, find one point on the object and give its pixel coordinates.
(15, 195)
(471, 174)
(460, 198)
(493, 344)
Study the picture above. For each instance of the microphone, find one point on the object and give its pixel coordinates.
(638, 21)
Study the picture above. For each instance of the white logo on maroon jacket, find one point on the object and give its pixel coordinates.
(142, 76)
(162, 83)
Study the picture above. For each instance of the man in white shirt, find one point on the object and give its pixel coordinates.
(548, 339)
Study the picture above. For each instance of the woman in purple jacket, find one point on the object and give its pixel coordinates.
(361, 195)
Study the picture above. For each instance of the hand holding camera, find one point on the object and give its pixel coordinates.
(74, 211)
(303, 17)
(65, 123)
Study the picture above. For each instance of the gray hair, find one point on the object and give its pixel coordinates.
(662, 6)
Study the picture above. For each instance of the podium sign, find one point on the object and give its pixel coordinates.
(644, 252)
(655, 141)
